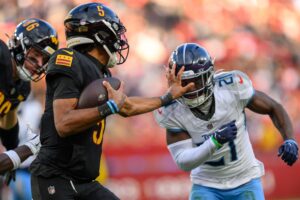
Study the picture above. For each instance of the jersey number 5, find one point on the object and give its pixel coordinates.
(98, 134)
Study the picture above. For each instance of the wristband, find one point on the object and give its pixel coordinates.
(166, 99)
(14, 157)
(114, 105)
(111, 107)
(105, 110)
(215, 141)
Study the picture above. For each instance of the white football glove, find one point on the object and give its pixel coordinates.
(34, 143)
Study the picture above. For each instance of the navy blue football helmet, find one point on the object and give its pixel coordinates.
(37, 34)
(199, 68)
(95, 23)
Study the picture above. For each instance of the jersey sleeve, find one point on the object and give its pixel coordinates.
(244, 89)
(64, 74)
(237, 83)
(165, 117)
(64, 87)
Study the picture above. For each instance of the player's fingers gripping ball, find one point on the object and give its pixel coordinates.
(95, 94)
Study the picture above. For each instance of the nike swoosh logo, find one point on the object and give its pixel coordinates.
(220, 130)
(159, 111)
(241, 80)
(69, 52)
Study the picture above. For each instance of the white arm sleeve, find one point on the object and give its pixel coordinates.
(188, 157)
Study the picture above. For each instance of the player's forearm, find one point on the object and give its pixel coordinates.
(188, 157)
(263, 104)
(24, 152)
(6, 163)
(10, 161)
(75, 121)
(282, 122)
(139, 105)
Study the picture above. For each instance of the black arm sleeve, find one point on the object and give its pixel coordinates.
(10, 137)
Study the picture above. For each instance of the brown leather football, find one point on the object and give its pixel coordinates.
(95, 94)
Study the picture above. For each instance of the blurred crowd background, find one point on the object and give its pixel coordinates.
(259, 37)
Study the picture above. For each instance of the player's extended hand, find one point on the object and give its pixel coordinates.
(117, 95)
(174, 82)
(226, 133)
(288, 152)
(33, 143)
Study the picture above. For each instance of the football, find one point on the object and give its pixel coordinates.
(95, 94)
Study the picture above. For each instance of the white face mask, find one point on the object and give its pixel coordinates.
(23, 73)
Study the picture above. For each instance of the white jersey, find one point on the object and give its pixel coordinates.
(233, 164)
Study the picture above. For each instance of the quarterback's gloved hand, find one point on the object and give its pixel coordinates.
(34, 143)
(226, 133)
(8, 176)
(288, 151)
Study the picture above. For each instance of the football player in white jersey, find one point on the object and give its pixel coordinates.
(207, 133)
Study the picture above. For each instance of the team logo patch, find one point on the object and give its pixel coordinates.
(51, 189)
(64, 60)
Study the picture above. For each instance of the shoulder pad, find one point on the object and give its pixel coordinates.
(64, 61)
(62, 58)
(237, 82)
(165, 117)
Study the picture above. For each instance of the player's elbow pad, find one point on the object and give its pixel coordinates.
(188, 157)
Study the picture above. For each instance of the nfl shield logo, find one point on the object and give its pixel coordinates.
(51, 190)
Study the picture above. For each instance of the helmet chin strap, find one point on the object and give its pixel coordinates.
(205, 107)
(113, 59)
(195, 102)
(202, 102)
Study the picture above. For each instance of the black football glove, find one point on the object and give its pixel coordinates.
(226, 133)
(288, 152)
(8, 176)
